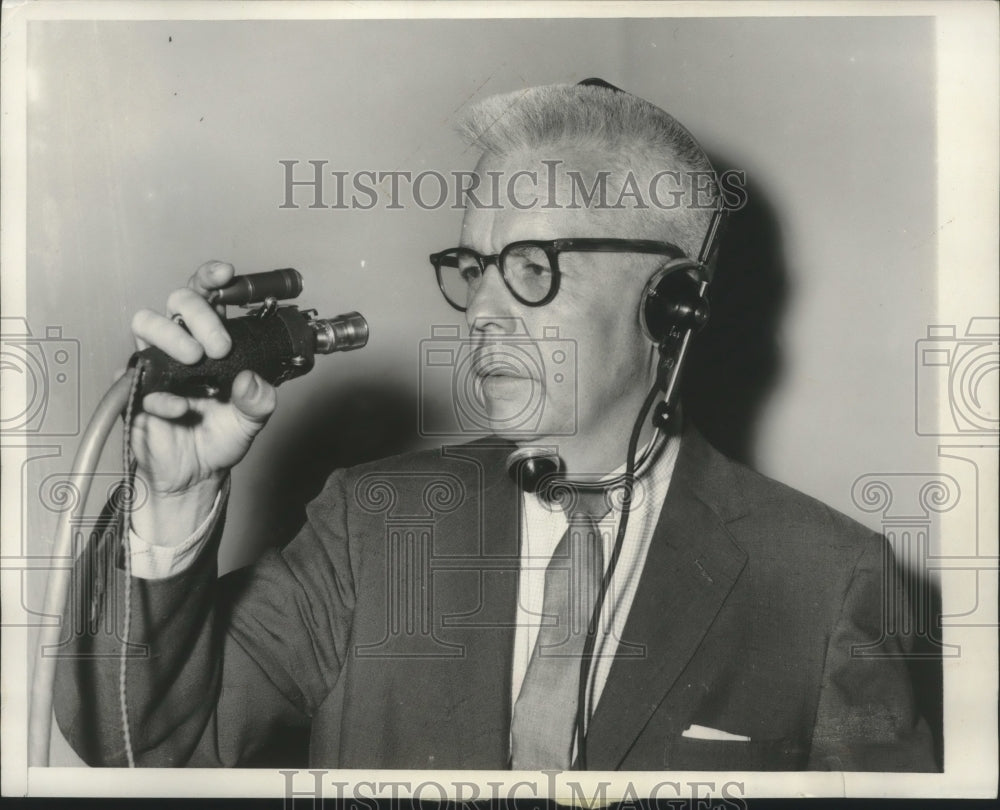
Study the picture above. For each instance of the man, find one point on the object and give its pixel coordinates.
(435, 614)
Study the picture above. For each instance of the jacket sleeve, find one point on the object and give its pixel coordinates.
(866, 718)
(215, 666)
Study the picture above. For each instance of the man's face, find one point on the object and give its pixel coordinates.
(530, 383)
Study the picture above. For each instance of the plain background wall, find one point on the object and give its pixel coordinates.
(155, 146)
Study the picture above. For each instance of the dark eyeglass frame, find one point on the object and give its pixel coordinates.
(552, 248)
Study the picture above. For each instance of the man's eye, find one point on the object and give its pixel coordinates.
(470, 272)
(530, 271)
(529, 264)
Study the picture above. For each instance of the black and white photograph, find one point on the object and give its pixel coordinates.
(482, 402)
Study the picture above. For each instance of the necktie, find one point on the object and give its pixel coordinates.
(542, 725)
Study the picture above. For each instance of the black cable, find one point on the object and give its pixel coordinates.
(609, 572)
(128, 473)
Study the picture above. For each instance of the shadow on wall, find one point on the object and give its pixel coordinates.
(339, 428)
(735, 363)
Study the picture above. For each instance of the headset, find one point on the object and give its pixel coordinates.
(672, 309)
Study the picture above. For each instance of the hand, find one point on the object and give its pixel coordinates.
(184, 446)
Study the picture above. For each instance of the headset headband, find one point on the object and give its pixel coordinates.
(715, 227)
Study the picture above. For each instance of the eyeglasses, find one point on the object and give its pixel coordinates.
(529, 268)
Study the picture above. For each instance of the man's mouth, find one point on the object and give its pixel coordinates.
(499, 371)
(500, 377)
(495, 365)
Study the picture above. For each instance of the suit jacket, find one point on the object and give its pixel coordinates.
(387, 625)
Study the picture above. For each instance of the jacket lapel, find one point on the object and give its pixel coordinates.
(691, 566)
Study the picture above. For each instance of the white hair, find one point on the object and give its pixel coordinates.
(629, 134)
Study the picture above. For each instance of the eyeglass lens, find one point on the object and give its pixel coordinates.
(526, 270)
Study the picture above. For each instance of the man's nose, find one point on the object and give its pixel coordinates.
(490, 308)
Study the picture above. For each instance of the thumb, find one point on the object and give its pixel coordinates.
(253, 397)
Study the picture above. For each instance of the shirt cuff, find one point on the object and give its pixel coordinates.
(150, 561)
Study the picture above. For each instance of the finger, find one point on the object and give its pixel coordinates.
(209, 277)
(253, 397)
(201, 320)
(152, 329)
(164, 405)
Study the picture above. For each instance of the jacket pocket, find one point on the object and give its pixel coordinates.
(687, 754)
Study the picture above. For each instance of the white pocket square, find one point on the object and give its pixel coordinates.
(694, 732)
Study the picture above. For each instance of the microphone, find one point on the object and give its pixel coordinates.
(542, 472)
(535, 470)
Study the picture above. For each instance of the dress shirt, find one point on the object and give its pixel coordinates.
(543, 526)
(150, 561)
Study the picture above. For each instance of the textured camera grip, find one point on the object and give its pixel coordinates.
(273, 346)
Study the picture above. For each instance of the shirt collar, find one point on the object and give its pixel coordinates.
(654, 476)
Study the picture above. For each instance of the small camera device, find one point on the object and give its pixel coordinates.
(277, 342)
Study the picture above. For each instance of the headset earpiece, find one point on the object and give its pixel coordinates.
(674, 301)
